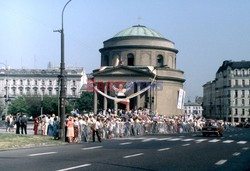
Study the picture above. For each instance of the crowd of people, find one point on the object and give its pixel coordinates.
(15, 123)
(106, 125)
(109, 124)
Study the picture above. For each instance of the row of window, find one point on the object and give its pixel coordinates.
(242, 102)
(240, 82)
(131, 60)
(36, 82)
(243, 93)
(36, 92)
(236, 72)
(243, 111)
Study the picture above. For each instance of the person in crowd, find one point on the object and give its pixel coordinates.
(95, 126)
(76, 125)
(50, 126)
(70, 129)
(17, 123)
(36, 124)
(12, 123)
(43, 125)
(7, 122)
(23, 124)
(56, 128)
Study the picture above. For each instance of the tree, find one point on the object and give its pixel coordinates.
(50, 105)
(85, 103)
(19, 105)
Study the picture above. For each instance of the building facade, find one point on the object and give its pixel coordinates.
(228, 96)
(193, 108)
(143, 58)
(18, 82)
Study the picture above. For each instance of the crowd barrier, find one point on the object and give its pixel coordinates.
(128, 129)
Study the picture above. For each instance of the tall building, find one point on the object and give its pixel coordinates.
(193, 108)
(228, 96)
(138, 69)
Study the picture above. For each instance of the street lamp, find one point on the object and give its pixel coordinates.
(7, 88)
(62, 81)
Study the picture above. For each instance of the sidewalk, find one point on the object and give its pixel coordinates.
(29, 128)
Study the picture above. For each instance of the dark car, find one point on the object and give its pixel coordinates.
(212, 127)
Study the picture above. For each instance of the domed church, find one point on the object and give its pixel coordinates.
(138, 70)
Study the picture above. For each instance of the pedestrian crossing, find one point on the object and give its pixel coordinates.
(175, 139)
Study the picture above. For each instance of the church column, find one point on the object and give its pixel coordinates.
(105, 102)
(95, 102)
(115, 106)
(128, 106)
(149, 99)
(138, 104)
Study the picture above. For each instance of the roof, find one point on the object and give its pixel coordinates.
(139, 30)
(234, 65)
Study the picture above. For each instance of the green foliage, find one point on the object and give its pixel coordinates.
(50, 104)
(85, 103)
(31, 105)
(19, 105)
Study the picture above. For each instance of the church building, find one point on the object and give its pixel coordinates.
(138, 70)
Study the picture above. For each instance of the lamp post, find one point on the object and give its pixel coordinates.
(62, 81)
(7, 88)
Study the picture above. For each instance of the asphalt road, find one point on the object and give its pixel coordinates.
(153, 152)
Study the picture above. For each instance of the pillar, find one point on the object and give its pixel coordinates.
(115, 106)
(95, 102)
(105, 102)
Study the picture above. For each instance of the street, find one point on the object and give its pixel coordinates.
(188, 151)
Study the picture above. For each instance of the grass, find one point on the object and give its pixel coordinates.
(8, 141)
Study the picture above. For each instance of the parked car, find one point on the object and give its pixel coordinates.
(212, 127)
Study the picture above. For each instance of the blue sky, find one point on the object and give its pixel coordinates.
(205, 32)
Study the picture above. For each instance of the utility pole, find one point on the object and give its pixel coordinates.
(62, 81)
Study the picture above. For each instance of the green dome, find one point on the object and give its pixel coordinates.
(138, 30)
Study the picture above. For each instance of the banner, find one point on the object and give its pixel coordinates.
(181, 96)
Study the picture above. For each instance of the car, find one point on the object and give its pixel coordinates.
(212, 127)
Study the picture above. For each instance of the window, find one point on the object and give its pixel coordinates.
(243, 102)
(229, 83)
(50, 82)
(43, 91)
(35, 82)
(14, 92)
(21, 82)
(43, 82)
(243, 82)
(28, 91)
(159, 61)
(106, 60)
(236, 82)
(74, 83)
(236, 93)
(131, 59)
(243, 93)
(50, 92)
(28, 82)
(14, 82)
(73, 92)
(243, 72)
(21, 91)
(236, 102)
(35, 92)
(243, 111)
(236, 111)
(236, 72)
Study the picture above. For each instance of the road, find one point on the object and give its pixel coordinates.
(152, 152)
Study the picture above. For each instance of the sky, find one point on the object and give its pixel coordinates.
(205, 32)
